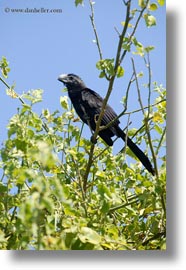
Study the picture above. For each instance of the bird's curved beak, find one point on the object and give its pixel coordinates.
(63, 78)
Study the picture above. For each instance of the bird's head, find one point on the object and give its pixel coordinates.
(72, 81)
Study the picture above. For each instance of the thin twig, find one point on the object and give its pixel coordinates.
(122, 206)
(148, 65)
(161, 140)
(138, 88)
(145, 120)
(17, 96)
(81, 130)
(126, 136)
(139, 110)
(134, 30)
(156, 236)
(127, 19)
(131, 112)
(127, 92)
(95, 31)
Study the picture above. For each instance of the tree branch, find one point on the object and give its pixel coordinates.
(134, 30)
(145, 120)
(95, 31)
(110, 87)
(10, 88)
(156, 236)
(22, 101)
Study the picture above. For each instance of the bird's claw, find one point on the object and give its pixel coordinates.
(96, 116)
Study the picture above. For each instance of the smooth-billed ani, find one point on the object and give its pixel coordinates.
(88, 105)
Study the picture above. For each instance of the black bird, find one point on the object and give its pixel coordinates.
(88, 105)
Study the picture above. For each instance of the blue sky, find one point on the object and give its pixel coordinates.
(40, 46)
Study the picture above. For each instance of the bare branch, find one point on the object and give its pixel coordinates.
(145, 120)
(95, 31)
(161, 140)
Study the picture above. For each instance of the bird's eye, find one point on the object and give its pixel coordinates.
(71, 78)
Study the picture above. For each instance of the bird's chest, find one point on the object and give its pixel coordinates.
(81, 107)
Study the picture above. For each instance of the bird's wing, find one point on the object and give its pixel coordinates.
(93, 105)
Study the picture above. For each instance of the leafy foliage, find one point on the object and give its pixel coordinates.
(78, 2)
(4, 67)
(150, 20)
(43, 203)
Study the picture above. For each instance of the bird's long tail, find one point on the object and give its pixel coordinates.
(137, 151)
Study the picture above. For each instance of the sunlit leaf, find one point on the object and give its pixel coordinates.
(129, 24)
(149, 48)
(149, 20)
(120, 72)
(64, 102)
(161, 2)
(142, 3)
(78, 2)
(88, 235)
(153, 7)
(158, 129)
(157, 117)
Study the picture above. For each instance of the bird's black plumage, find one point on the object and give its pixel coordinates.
(88, 105)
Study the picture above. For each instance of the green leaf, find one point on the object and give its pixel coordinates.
(142, 3)
(34, 96)
(37, 95)
(157, 118)
(41, 200)
(10, 92)
(103, 190)
(139, 51)
(100, 174)
(106, 65)
(139, 47)
(140, 74)
(153, 7)
(26, 107)
(149, 48)
(88, 235)
(126, 44)
(102, 74)
(105, 207)
(120, 72)
(149, 20)
(161, 2)
(158, 129)
(78, 2)
(136, 43)
(64, 102)
(132, 132)
(129, 24)
(4, 67)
